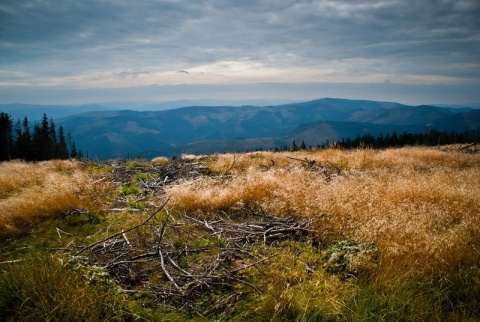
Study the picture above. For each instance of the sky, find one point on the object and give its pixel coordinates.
(94, 51)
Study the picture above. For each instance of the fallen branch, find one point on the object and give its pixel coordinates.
(123, 231)
(12, 261)
(159, 252)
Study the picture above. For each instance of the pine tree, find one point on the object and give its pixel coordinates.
(37, 144)
(294, 146)
(52, 141)
(62, 149)
(303, 146)
(6, 140)
(18, 141)
(73, 151)
(27, 149)
(42, 134)
(45, 143)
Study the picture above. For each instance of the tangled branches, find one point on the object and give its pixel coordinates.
(180, 259)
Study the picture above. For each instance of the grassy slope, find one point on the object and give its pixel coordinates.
(418, 209)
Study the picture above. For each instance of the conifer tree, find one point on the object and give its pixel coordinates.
(73, 151)
(303, 146)
(294, 146)
(6, 140)
(62, 144)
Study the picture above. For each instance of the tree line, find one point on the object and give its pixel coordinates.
(431, 137)
(19, 140)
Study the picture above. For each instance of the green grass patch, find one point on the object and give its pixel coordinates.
(130, 189)
(41, 288)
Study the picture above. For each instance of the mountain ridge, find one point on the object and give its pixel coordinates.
(109, 133)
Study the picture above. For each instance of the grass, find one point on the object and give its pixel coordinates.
(30, 192)
(42, 288)
(399, 234)
(419, 206)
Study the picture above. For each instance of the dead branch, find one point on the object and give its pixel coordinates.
(310, 163)
(159, 252)
(122, 232)
(231, 167)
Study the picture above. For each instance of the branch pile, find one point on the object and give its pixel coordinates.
(159, 176)
(193, 256)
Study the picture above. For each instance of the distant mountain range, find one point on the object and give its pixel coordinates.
(107, 133)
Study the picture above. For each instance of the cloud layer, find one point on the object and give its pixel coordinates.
(120, 43)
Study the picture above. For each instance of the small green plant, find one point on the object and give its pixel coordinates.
(97, 168)
(130, 165)
(130, 189)
(137, 204)
(78, 217)
(95, 275)
(143, 177)
(348, 258)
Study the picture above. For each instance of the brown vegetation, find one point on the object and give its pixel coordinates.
(321, 235)
(30, 191)
(419, 206)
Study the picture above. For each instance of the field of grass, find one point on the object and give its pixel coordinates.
(392, 235)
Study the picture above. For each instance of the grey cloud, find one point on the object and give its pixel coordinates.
(131, 74)
(54, 38)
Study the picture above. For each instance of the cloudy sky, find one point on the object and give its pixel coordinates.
(72, 51)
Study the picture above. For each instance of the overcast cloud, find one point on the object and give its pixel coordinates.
(72, 49)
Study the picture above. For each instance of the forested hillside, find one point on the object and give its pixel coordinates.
(206, 129)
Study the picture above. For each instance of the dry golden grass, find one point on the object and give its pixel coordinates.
(29, 191)
(420, 206)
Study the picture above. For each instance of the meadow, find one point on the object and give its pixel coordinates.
(389, 235)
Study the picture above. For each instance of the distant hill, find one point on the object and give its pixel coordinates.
(464, 121)
(107, 133)
(207, 129)
(35, 112)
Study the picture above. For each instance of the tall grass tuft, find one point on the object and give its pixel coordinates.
(30, 191)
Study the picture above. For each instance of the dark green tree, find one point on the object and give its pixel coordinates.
(52, 141)
(6, 139)
(294, 146)
(62, 149)
(73, 151)
(303, 146)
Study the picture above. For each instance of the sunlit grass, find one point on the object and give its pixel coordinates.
(30, 191)
(415, 211)
(419, 206)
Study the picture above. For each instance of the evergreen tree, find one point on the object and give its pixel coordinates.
(38, 144)
(42, 141)
(27, 149)
(45, 143)
(62, 144)
(73, 151)
(6, 139)
(52, 141)
(18, 139)
(394, 139)
(303, 146)
(294, 146)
